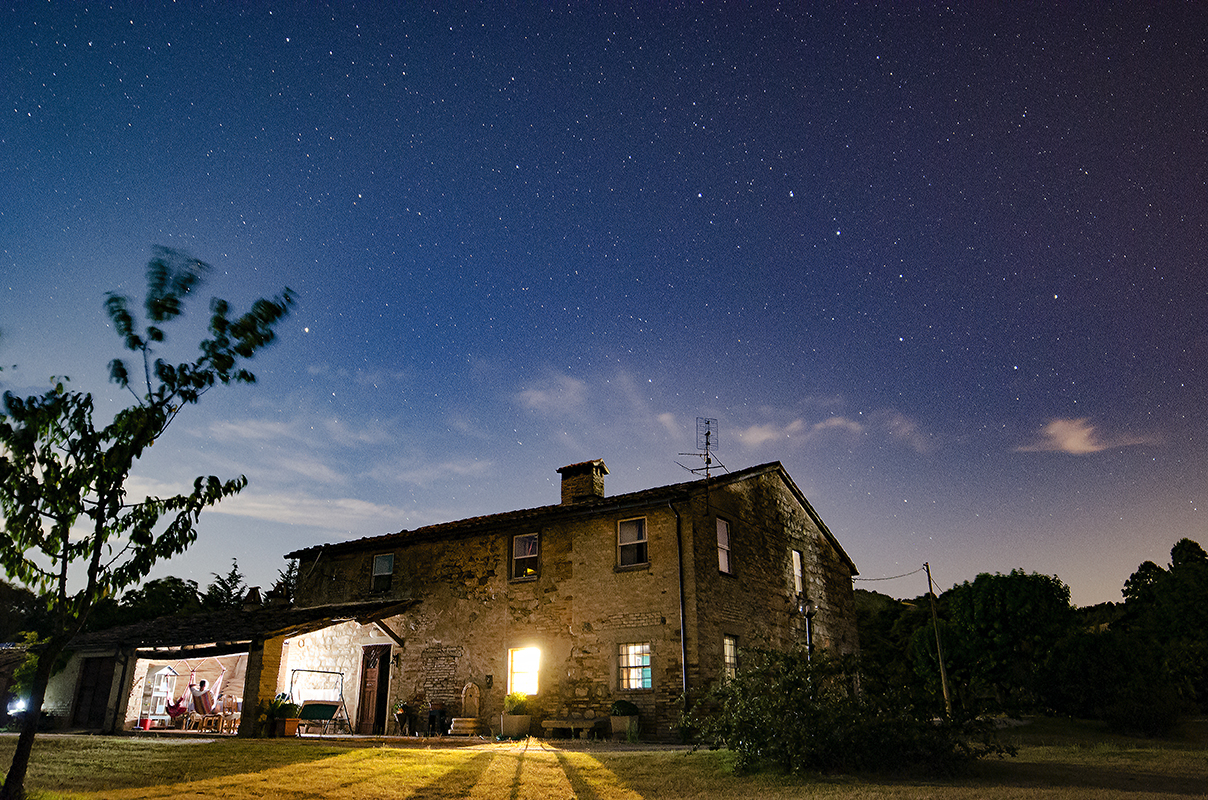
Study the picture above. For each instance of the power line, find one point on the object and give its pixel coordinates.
(893, 577)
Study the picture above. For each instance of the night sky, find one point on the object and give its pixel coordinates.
(947, 265)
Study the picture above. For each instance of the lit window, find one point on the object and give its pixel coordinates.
(729, 656)
(723, 545)
(383, 572)
(798, 581)
(631, 540)
(524, 556)
(522, 669)
(634, 666)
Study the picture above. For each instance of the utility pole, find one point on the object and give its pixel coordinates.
(939, 650)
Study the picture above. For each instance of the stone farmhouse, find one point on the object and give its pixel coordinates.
(647, 596)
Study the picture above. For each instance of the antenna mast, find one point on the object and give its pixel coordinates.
(706, 440)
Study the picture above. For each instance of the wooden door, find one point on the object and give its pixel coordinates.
(375, 683)
(92, 697)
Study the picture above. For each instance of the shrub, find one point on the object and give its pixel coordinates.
(515, 703)
(804, 715)
(623, 708)
(282, 707)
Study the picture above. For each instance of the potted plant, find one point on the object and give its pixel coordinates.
(402, 717)
(624, 716)
(514, 724)
(281, 716)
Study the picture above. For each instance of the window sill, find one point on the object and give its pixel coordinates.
(631, 567)
(524, 579)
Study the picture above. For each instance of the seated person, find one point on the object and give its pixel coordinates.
(177, 708)
(203, 697)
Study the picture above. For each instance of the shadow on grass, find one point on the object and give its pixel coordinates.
(457, 782)
(578, 783)
(90, 763)
(1145, 777)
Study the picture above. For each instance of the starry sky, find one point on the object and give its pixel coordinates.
(948, 265)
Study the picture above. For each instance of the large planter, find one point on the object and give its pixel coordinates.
(287, 726)
(514, 726)
(621, 727)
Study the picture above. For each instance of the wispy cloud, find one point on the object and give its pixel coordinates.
(1077, 437)
(425, 473)
(335, 514)
(758, 435)
(906, 430)
(341, 431)
(798, 430)
(558, 394)
(361, 377)
(251, 430)
(670, 424)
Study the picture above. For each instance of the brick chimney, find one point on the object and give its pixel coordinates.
(582, 481)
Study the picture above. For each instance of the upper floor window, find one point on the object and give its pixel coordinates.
(798, 573)
(383, 572)
(723, 546)
(631, 542)
(633, 666)
(524, 556)
(729, 656)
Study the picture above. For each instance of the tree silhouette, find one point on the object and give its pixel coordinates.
(63, 492)
(226, 591)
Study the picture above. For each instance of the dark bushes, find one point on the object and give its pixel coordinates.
(809, 715)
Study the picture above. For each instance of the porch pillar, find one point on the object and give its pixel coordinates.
(263, 666)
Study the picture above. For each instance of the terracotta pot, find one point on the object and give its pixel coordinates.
(287, 726)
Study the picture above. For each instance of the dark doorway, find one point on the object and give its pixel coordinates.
(375, 684)
(92, 698)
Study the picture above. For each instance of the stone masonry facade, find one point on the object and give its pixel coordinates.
(610, 618)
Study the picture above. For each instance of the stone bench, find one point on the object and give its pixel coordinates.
(575, 726)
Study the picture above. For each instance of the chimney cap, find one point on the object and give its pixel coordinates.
(583, 466)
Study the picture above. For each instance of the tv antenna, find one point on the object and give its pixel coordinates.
(706, 440)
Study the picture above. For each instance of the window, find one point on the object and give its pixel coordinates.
(729, 656)
(723, 545)
(522, 669)
(631, 542)
(633, 665)
(524, 556)
(798, 580)
(383, 572)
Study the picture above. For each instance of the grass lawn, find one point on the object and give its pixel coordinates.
(1056, 759)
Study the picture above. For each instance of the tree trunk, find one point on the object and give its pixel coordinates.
(14, 782)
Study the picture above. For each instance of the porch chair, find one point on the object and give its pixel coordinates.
(228, 710)
(320, 713)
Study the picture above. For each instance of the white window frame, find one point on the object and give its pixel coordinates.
(729, 656)
(639, 546)
(798, 572)
(633, 667)
(725, 561)
(534, 557)
(524, 667)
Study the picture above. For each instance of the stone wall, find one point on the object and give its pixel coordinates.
(582, 606)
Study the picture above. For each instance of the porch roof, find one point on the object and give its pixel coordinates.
(234, 630)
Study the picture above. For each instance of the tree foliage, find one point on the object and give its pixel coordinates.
(1000, 628)
(286, 584)
(71, 533)
(1165, 624)
(804, 713)
(226, 591)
